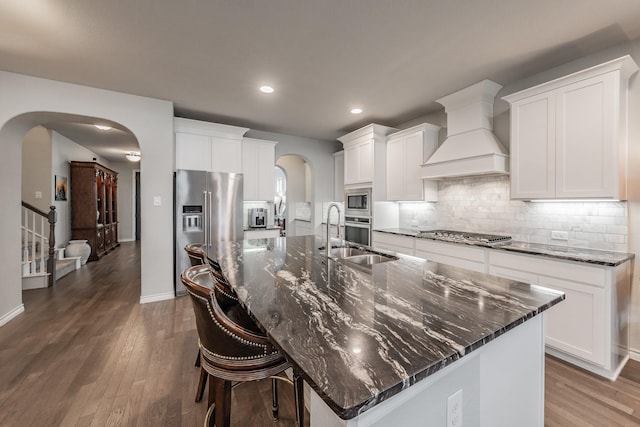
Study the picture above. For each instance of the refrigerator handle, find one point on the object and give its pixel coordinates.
(210, 209)
(205, 219)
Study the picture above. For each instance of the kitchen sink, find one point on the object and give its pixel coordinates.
(346, 252)
(369, 259)
(359, 256)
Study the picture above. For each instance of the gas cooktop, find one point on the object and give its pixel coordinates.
(464, 236)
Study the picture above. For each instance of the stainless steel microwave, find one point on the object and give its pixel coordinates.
(358, 202)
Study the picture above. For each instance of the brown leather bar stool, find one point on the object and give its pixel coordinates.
(196, 253)
(230, 304)
(229, 351)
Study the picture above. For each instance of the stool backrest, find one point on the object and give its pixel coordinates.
(221, 339)
(196, 253)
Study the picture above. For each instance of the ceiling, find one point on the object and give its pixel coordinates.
(391, 58)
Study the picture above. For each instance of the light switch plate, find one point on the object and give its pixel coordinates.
(38, 194)
(157, 200)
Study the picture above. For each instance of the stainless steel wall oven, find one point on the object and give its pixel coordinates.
(357, 230)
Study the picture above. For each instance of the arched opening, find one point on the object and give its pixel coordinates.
(46, 180)
(300, 206)
(280, 197)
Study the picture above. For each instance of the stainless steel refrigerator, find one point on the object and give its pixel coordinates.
(208, 208)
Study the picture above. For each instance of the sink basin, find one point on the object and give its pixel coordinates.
(358, 256)
(346, 252)
(369, 259)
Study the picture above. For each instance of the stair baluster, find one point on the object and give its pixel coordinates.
(34, 241)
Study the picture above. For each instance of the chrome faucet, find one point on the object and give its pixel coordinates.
(328, 245)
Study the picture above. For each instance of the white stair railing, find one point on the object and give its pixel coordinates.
(37, 249)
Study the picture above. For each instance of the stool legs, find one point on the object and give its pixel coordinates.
(274, 398)
(202, 384)
(298, 389)
(223, 402)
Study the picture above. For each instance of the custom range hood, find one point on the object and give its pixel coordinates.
(471, 148)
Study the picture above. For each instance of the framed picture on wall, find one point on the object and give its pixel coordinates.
(61, 188)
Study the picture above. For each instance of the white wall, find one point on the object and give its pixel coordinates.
(36, 168)
(150, 120)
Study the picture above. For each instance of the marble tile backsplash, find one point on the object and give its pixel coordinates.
(303, 211)
(482, 204)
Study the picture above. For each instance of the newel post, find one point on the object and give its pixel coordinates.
(51, 262)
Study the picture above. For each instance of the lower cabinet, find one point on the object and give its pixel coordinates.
(261, 234)
(456, 254)
(393, 242)
(589, 328)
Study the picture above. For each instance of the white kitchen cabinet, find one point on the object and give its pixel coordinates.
(258, 163)
(338, 177)
(357, 160)
(208, 146)
(261, 234)
(393, 242)
(226, 155)
(365, 159)
(569, 136)
(455, 254)
(193, 152)
(407, 150)
(589, 328)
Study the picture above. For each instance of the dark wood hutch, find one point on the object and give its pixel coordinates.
(94, 207)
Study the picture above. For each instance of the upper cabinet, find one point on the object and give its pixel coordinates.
(338, 177)
(407, 150)
(208, 146)
(569, 136)
(258, 163)
(365, 158)
(214, 147)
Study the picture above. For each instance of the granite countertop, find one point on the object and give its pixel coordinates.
(586, 255)
(361, 335)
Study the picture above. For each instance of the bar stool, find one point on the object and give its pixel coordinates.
(230, 305)
(230, 352)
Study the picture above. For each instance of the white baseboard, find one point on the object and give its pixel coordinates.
(10, 315)
(634, 354)
(126, 240)
(157, 297)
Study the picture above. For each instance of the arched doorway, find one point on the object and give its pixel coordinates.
(150, 120)
(47, 152)
(300, 210)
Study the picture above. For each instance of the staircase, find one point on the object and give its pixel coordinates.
(42, 263)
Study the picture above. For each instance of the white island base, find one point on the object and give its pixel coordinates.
(502, 385)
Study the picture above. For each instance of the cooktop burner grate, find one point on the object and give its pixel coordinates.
(464, 236)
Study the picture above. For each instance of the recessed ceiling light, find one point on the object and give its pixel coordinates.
(356, 110)
(266, 89)
(103, 127)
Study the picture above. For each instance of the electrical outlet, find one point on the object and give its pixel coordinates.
(38, 194)
(454, 409)
(560, 235)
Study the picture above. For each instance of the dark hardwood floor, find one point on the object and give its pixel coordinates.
(86, 353)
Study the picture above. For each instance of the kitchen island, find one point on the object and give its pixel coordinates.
(389, 343)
